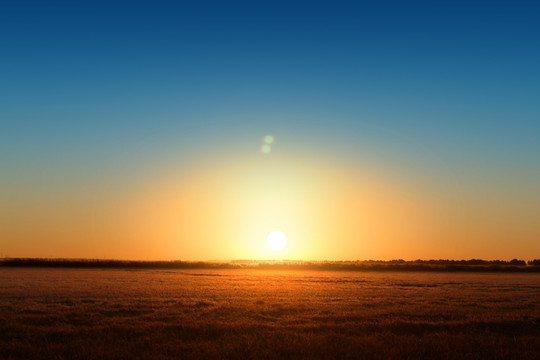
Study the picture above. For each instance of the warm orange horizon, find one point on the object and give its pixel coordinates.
(224, 210)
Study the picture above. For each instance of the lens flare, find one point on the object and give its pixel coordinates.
(266, 149)
(269, 139)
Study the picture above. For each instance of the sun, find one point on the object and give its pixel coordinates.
(276, 240)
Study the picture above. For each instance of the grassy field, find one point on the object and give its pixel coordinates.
(266, 314)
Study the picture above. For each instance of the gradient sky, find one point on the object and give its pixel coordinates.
(402, 129)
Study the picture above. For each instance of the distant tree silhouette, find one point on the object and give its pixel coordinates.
(475, 265)
(517, 262)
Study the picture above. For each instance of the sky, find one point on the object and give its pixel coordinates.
(402, 130)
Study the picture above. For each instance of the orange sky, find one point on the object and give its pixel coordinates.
(221, 210)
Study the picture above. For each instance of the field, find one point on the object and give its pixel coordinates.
(265, 314)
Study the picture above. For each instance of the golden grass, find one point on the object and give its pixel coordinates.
(241, 313)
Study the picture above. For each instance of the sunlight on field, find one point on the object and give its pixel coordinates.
(188, 314)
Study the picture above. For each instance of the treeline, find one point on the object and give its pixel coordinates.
(514, 262)
(475, 265)
(98, 263)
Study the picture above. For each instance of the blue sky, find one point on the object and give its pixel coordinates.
(444, 90)
(453, 77)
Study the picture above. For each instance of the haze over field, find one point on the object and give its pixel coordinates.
(192, 130)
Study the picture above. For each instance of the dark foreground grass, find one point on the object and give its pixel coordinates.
(235, 313)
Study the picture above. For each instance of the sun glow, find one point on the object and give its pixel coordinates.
(326, 210)
(276, 240)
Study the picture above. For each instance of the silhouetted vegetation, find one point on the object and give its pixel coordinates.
(117, 264)
(472, 265)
